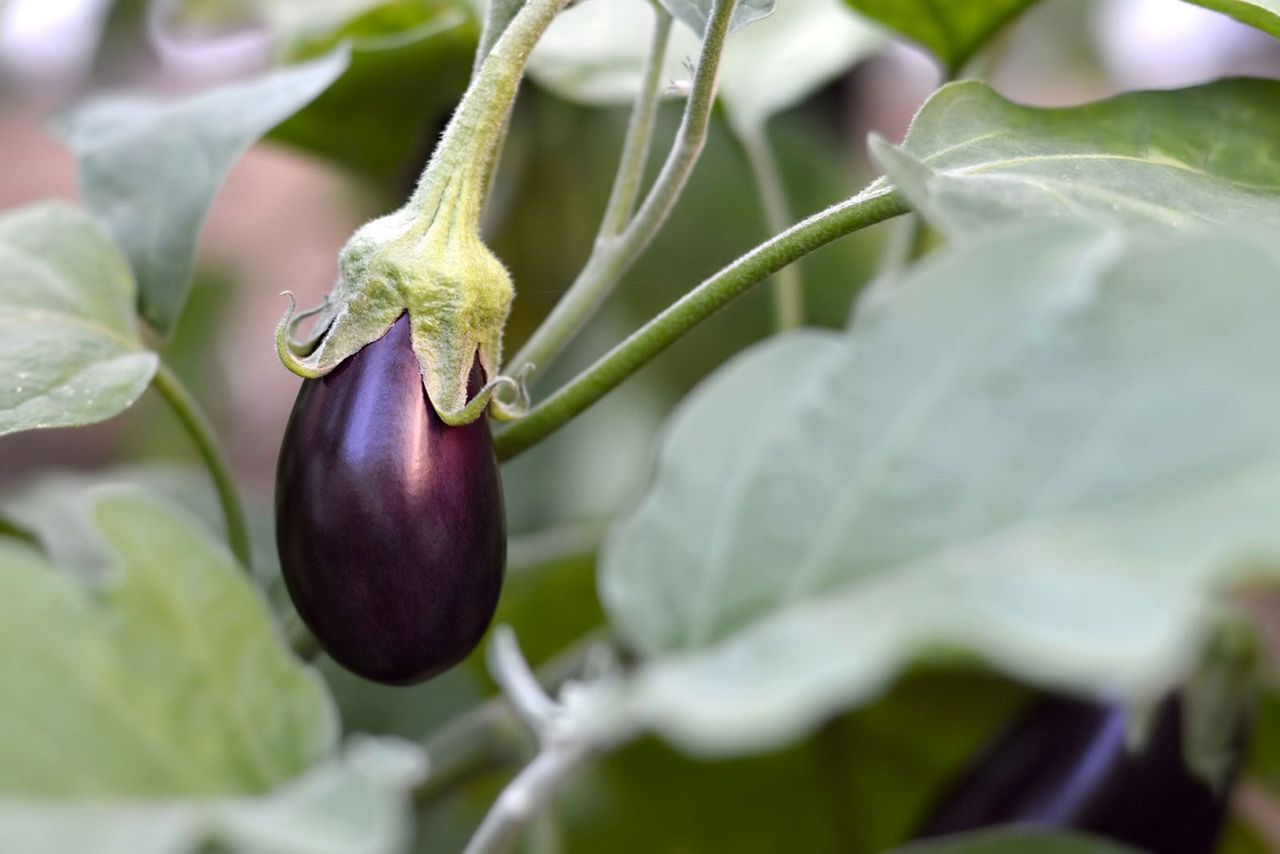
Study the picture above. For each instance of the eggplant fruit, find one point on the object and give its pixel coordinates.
(389, 523)
(1065, 765)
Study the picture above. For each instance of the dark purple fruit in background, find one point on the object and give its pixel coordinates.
(1065, 765)
(389, 523)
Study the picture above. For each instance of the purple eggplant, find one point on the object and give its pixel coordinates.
(1065, 765)
(389, 523)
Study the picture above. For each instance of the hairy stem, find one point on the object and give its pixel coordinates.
(788, 289)
(613, 256)
(639, 139)
(197, 425)
(866, 208)
(469, 147)
(527, 796)
(496, 19)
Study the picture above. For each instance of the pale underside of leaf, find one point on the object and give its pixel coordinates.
(166, 679)
(356, 803)
(1050, 449)
(69, 353)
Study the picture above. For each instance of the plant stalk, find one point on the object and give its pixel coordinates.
(527, 796)
(457, 175)
(866, 208)
(613, 256)
(187, 408)
(635, 148)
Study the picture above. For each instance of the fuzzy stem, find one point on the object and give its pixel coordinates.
(635, 148)
(613, 256)
(496, 19)
(525, 797)
(866, 208)
(197, 425)
(457, 173)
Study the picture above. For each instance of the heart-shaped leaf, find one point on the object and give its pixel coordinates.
(166, 679)
(69, 348)
(149, 169)
(1047, 448)
(1179, 158)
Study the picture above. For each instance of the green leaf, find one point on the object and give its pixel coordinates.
(51, 507)
(1180, 158)
(69, 349)
(595, 52)
(953, 30)
(1010, 455)
(1260, 14)
(167, 679)
(1016, 841)
(694, 14)
(354, 802)
(149, 169)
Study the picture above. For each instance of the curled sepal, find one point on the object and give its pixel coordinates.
(489, 396)
(455, 292)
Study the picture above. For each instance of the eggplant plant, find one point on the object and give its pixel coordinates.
(766, 574)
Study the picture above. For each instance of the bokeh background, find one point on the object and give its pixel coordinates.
(291, 203)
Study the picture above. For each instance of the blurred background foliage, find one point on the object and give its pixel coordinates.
(861, 783)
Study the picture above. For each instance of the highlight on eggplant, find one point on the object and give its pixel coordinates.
(389, 523)
(1066, 765)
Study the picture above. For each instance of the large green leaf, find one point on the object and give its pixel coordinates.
(149, 169)
(355, 802)
(1206, 154)
(1046, 448)
(167, 679)
(595, 52)
(69, 349)
(952, 30)
(1261, 14)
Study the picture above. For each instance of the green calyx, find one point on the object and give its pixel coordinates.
(427, 259)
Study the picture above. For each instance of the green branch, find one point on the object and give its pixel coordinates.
(613, 255)
(866, 208)
(197, 425)
(639, 139)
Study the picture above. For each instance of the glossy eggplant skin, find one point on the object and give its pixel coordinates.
(389, 523)
(1065, 765)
